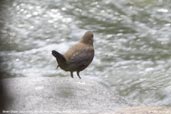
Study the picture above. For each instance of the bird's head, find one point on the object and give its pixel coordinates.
(87, 38)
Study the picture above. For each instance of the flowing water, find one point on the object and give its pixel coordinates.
(132, 45)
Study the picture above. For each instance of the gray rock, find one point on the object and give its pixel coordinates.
(58, 95)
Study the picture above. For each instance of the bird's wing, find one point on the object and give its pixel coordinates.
(81, 59)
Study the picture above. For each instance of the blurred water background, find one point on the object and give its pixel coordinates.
(132, 43)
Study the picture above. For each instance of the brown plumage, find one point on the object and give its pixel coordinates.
(78, 57)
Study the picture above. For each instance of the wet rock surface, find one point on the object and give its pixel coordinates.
(54, 95)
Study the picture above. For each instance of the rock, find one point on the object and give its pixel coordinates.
(55, 94)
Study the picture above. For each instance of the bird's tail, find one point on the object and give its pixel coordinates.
(60, 59)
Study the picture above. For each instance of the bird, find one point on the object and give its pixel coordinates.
(77, 57)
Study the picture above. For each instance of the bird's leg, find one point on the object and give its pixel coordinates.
(72, 75)
(78, 74)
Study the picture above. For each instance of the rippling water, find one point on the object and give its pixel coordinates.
(132, 43)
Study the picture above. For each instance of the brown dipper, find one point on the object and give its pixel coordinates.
(78, 57)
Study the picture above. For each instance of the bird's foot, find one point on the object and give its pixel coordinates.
(78, 75)
(72, 75)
